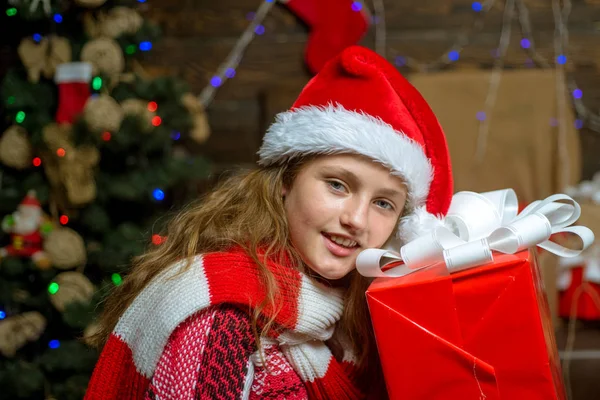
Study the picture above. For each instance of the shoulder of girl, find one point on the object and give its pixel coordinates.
(222, 316)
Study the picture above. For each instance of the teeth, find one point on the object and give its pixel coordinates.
(342, 241)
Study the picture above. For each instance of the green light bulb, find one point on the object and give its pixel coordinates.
(53, 288)
(117, 280)
(97, 83)
(20, 117)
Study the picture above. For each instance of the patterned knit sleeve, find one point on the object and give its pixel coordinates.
(206, 357)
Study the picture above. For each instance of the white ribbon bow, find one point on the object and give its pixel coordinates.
(478, 224)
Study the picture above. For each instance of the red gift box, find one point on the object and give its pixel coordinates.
(482, 333)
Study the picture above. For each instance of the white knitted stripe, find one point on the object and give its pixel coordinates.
(349, 356)
(249, 380)
(310, 360)
(159, 309)
(319, 308)
(346, 344)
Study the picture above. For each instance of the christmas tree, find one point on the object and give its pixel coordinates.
(92, 153)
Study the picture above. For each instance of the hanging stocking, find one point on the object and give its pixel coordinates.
(334, 25)
(73, 80)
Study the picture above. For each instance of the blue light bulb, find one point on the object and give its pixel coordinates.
(145, 46)
(453, 55)
(158, 194)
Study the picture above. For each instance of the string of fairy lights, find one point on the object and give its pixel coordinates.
(227, 69)
(452, 55)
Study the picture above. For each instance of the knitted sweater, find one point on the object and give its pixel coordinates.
(191, 366)
(309, 311)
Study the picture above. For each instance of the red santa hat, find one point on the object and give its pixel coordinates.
(30, 200)
(359, 103)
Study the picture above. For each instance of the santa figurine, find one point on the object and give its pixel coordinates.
(27, 227)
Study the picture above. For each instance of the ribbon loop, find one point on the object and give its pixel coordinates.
(478, 224)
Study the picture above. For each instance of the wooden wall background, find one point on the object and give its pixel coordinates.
(198, 34)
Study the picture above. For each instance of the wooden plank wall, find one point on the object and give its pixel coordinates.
(198, 35)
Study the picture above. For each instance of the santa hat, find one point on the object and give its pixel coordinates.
(360, 104)
(30, 200)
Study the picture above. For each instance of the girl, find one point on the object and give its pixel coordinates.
(255, 294)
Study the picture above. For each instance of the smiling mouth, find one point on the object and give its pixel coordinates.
(338, 250)
(341, 242)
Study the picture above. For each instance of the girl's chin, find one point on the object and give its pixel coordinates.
(333, 278)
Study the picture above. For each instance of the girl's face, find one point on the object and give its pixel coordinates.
(339, 205)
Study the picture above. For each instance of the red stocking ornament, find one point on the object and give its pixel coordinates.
(334, 25)
(73, 80)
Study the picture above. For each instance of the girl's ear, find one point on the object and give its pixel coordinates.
(284, 191)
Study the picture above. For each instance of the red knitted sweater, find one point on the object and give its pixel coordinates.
(212, 355)
(150, 330)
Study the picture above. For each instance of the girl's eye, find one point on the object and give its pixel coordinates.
(337, 186)
(384, 204)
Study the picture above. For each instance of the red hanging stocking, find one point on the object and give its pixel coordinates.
(334, 25)
(73, 80)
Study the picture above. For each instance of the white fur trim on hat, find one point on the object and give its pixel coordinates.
(334, 130)
(419, 222)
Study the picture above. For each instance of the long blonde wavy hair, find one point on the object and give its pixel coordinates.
(244, 210)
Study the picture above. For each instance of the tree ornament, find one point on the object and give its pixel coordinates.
(27, 228)
(105, 55)
(70, 169)
(118, 21)
(103, 113)
(72, 80)
(15, 149)
(78, 175)
(66, 248)
(139, 108)
(121, 20)
(33, 6)
(56, 137)
(17, 330)
(334, 25)
(43, 57)
(90, 3)
(71, 287)
(200, 129)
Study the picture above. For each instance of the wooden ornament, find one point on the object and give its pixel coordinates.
(43, 57)
(15, 148)
(73, 287)
(139, 108)
(17, 330)
(105, 55)
(90, 3)
(200, 131)
(65, 247)
(103, 113)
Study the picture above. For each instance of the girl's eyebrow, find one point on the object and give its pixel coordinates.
(388, 192)
(352, 178)
(343, 172)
